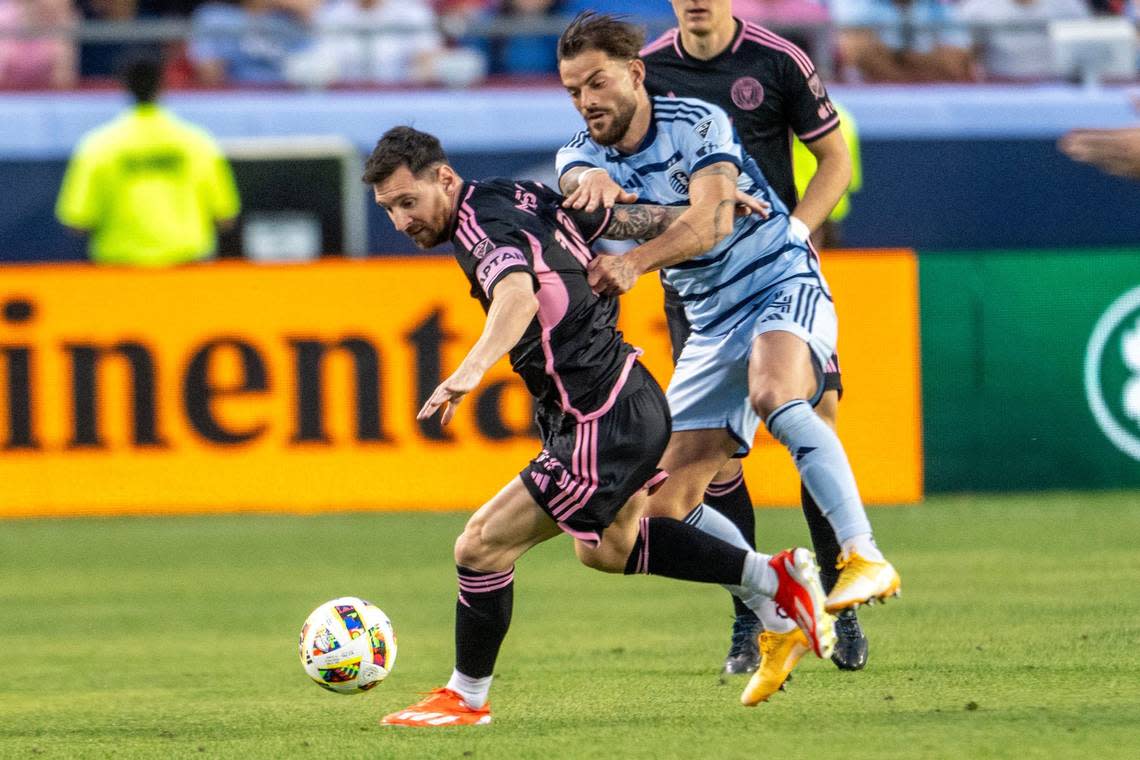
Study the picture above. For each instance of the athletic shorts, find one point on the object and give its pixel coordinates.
(709, 389)
(679, 330)
(587, 471)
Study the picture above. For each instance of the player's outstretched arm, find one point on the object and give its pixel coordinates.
(513, 306)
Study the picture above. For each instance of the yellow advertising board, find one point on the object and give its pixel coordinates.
(233, 386)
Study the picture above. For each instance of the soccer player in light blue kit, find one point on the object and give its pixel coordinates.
(764, 325)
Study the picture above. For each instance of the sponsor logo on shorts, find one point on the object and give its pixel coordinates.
(747, 93)
(1112, 373)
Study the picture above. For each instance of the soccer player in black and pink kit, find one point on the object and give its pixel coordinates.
(603, 420)
(770, 89)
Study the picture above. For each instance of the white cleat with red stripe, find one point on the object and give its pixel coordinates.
(800, 595)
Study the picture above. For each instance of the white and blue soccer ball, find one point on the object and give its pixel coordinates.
(348, 645)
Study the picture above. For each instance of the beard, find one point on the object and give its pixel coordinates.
(620, 119)
(430, 235)
(432, 232)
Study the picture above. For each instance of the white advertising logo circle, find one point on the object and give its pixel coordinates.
(1120, 310)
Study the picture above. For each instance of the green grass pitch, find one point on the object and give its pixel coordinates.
(1017, 635)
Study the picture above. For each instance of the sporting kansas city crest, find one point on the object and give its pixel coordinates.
(679, 181)
(1112, 373)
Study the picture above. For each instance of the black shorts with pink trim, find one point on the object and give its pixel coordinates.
(679, 330)
(589, 468)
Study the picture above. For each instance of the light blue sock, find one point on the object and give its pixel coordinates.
(823, 466)
(710, 521)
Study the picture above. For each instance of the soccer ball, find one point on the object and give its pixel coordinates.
(348, 645)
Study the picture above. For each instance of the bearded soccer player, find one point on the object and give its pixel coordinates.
(770, 89)
(604, 421)
(763, 324)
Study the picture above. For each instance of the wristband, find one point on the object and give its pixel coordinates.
(797, 230)
(582, 176)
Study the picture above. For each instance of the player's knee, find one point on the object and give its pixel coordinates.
(607, 557)
(769, 397)
(471, 550)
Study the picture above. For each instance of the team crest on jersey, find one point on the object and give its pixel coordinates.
(482, 248)
(747, 93)
(679, 181)
(815, 84)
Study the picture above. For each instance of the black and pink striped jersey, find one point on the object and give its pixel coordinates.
(572, 357)
(765, 83)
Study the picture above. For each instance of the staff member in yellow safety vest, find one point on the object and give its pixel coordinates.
(803, 168)
(150, 188)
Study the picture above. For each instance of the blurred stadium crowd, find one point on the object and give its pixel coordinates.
(64, 44)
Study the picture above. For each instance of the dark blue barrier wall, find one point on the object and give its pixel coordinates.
(944, 167)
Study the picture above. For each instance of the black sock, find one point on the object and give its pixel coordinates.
(822, 539)
(732, 500)
(482, 617)
(671, 548)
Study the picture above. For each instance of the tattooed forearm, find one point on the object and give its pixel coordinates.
(640, 221)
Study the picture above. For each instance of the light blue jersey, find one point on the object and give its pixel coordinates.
(725, 287)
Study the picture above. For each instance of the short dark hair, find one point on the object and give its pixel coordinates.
(141, 74)
(402, 146)
(599, 31)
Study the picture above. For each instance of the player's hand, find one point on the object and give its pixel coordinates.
(1115, 151)
(596, 189)
(449, 393)
(746, 205)
(611, 275)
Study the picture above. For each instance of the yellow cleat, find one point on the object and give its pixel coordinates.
(779, 653)
(862, 581)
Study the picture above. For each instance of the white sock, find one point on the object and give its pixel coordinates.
(863, 544)
(473, 690)
(759, 576)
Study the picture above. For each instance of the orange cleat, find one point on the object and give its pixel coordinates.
(441, 707)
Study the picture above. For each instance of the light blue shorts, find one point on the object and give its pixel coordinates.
(709, 389)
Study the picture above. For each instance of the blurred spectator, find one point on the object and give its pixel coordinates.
(1114, 7)
(1113, 151)
(247, 43)
(37, 62)
(409, 47)
(97, 58)
(804, 165)
(780, 12)
(527, 54)
(348, 51)
(885, 41)
(147, 186)
(1018, 53)
(634, 9)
